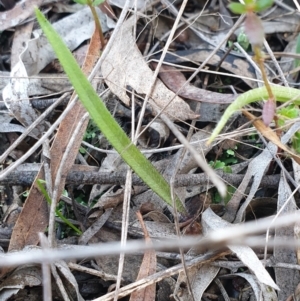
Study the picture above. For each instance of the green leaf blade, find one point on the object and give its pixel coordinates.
(82, 2)
(237, 8)
(97, 2)
(263, 5)
(102, 117)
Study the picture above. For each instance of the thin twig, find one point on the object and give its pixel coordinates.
(217, 239)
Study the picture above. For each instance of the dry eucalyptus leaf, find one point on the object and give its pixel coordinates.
(39, 52)
(232, 63)
(200, 278)
(211, 222)
(148, 267)
(175, 80)
(154, 135)
(35, 56)
(22, 11)
(69, 281)
(15, 96)
(270, 135)
(125, 66)
(28, 275)
(156, 230)
(259, 289)
(21, 36)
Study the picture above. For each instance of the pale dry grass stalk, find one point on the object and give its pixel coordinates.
(237, 234)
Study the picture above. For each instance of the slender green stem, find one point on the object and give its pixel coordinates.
(97, 22)
(282, 94)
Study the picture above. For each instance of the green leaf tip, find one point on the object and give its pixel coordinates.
(104, 120)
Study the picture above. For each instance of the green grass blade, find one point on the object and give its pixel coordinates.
(104, 120)
(40, 184)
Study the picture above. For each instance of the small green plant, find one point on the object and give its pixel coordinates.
(41, 186)
(225, 160)
(104, 120)
(243, 40)
(91, 132)
(286, 113)
(255, 33)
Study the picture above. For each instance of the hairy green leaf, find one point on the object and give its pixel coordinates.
(104, 120)
(282, 94)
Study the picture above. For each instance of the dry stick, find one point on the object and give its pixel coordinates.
(172, 180)
(297, 5)
(173, 198)
(154, 278)
(124, 231)
(216, 239)
(134, 139)
(285, 6)
(94, 272)
(177, 227)
(47, 168)
(127, 191)
(32, 126)
(26, 178)
(57, 182)
(59, 283)
(47, 290)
